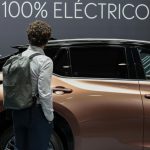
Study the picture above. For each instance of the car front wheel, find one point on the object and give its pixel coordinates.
(7, 141)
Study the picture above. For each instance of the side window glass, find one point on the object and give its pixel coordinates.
(145, 59)
(51, 51)
(60, 59)
(62, 63)
(99, 62)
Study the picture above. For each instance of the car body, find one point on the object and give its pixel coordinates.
(101, 92)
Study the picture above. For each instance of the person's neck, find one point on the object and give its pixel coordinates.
(42, 47)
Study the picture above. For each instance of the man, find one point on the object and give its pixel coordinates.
(33, 126)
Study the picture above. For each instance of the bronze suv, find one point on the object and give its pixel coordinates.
(101, 92)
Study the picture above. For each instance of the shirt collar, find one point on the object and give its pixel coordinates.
(36, 49)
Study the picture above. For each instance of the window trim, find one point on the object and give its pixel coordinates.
(131, 63)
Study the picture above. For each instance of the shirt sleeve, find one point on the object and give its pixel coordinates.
(44, 89)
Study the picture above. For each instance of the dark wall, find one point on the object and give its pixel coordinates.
(130, 22)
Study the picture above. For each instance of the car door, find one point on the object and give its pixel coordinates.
(105, 98)
(143, 64)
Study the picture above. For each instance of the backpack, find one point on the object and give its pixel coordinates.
(17, 85)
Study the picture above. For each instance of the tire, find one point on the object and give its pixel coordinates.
(7, 141)
(56, 142)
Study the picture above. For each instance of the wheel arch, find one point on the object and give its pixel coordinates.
(63, 130)
(68, 123)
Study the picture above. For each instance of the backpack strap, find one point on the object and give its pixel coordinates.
(33, 55)
(37, 95)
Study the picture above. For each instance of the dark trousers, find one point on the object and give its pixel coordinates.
(31, 128)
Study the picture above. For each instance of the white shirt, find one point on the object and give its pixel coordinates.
(41, 74)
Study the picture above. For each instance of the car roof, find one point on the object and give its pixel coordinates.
(84, 41)
(99, 41)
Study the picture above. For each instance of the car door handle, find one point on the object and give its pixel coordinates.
(147, 96)
(62, 90)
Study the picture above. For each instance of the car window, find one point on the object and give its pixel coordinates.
(99, 62)
(51, 51)
(60, 60)
(62, 63)
(145, 59)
